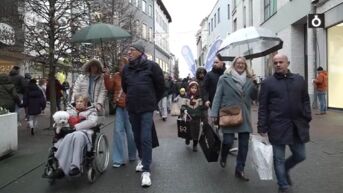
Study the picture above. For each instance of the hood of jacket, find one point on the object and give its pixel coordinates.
(86, 66)
(199, 71)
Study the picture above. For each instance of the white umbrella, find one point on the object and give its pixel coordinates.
(250, 42)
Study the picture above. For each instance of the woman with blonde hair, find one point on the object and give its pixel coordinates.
(236, 87)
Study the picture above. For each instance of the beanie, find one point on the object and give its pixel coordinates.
(193, 83)
(182, 90)
(138, 46)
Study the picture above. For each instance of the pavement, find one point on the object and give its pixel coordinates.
(175, 168)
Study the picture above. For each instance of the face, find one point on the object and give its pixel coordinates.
(133, 54)
(280, 63)
(194, 89)
(217, 64)
(80, 103)
(93, 69)
(240, 66)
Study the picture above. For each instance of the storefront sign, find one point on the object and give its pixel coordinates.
(316, 21)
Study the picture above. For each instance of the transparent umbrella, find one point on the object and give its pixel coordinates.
(250, 42)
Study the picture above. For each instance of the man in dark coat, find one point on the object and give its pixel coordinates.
(211, 79)
(284, 114)
(143, 83)
(18, 80)
(8, 94)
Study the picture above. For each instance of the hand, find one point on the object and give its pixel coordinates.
(98, 107)
(207, 104)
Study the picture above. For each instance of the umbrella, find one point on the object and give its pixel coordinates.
(99, 32)
(250, 42)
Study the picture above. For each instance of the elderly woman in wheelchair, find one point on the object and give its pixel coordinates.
(77, 143)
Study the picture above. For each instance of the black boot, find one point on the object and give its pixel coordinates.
(223, 156)
(195, 143)
(32, 132)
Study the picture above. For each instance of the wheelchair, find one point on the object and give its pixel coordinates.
(95, 161)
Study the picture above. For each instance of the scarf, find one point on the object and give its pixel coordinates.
(239, 79)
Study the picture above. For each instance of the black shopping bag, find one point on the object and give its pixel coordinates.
(183, 129)
(210, 143)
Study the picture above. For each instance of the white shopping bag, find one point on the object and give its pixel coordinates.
(262, 157)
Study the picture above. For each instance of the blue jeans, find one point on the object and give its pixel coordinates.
(141, 126)
(243, 146)
(282, 166)
(123, 133)
(322, 101)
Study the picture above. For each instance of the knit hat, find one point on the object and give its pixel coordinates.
(319, 68)
(138, 46)
(182, 90)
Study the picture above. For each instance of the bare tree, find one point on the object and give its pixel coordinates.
(49, 25)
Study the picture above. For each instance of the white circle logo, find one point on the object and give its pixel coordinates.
(316, 22)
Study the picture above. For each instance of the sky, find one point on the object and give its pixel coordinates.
(186, 18)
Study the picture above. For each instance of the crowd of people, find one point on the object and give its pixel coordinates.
(140, 88)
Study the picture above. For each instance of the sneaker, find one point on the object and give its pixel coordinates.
(283, 190)
(139, 167)
(117, 165)
(146, 181)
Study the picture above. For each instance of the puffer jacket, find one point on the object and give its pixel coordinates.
(82, 85)
(8, 94)
(114, 84)
(90, 115)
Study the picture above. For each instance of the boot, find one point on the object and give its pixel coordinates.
(223, 156)
(195, 143)
(32, 132)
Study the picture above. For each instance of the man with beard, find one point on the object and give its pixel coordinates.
(211, 80)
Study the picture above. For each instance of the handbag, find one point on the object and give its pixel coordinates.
(230, 116)
(210, 143)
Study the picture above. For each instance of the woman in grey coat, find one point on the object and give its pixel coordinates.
(236, 87)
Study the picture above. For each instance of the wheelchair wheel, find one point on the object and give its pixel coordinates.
(101, 153)
(91, 175)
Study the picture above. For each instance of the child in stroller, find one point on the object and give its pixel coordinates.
(70, 144)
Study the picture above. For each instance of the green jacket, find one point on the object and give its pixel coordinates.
(228, 94)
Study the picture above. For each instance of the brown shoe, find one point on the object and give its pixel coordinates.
(241, 176)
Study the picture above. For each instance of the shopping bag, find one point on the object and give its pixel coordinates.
(262, 157)
(210, 143)
(183, 129)
(175, 110)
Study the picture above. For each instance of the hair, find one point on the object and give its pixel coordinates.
(33, 81)
(220, 57)
(83, 97)
(320, 68)
(247, 67)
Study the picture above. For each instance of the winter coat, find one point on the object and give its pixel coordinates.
(228, 94)
(90, 115)
(284, 109)
(322, 81)
(58, 90)
(194, 110)
(114, 84)
(210, 84)
(143, 83)
(18, 81)
(81, 85)
(34, 99)
(8, 94)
